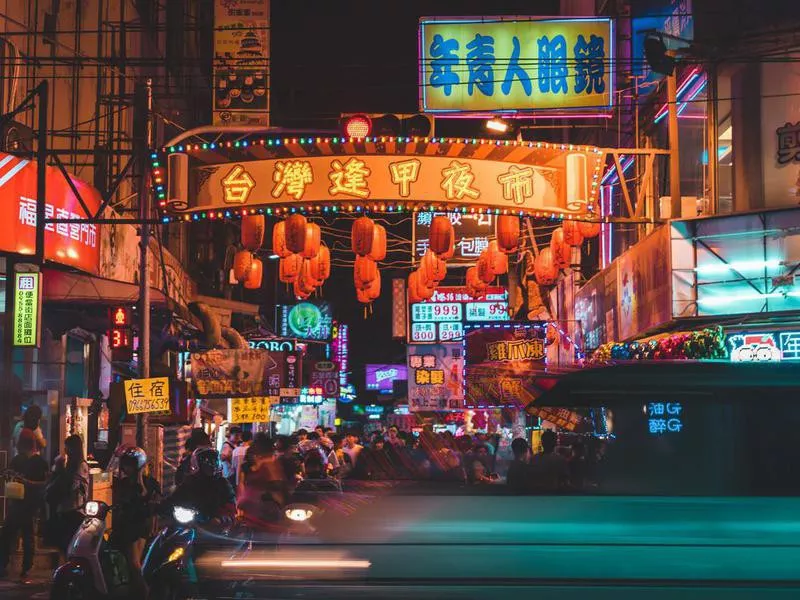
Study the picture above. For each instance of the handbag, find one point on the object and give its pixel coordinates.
(14, 490)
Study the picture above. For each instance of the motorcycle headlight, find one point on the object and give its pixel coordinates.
(183, 515)
(91, 509)
(299, 512)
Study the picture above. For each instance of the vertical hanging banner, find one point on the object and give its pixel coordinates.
(241, 62)
(27, 309)
(435, 377)
(516, 64)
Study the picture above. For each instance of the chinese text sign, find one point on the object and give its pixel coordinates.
(147, 395)
(524, 64)
(472, 235)
(435, 377)
(251, 410)
(27, 308)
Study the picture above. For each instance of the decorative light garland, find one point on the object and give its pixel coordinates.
(708, 343)
(383, 207)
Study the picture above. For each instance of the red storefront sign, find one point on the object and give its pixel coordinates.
(73, 244)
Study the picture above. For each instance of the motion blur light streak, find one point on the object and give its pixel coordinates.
(296, 564)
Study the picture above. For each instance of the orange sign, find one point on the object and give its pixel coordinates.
(537, 178)
(73, 244)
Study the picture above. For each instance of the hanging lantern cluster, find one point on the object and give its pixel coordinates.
(433, 264)
(368, 241)
(305, 262)
(247, 268)
(558, 255)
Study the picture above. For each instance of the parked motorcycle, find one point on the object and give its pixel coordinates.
(96, 569)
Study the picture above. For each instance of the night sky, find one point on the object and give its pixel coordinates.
(361, 56)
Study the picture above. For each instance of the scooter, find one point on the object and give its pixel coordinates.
(94, 568)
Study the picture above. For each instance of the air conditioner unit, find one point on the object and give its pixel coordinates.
(691, 206)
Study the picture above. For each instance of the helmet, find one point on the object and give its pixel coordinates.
(133, 455)
(206, 462)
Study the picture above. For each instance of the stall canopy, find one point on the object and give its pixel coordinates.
(647, 380)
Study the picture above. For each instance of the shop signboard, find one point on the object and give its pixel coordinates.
(254, 409)
(774, 346)
(381, 378)
(544, 178)
(147, 395)
(340, 351)
(241, 62)
(563, 418)
(239, 373)
(472, 235)
(72, 244)
(664, 418)
(272, 344)
(435, 377)
(306, 320)
(512, 64)
(450, 309)
(325, 377)
(501, 364)
(27, 330)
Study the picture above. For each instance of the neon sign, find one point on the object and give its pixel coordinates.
(664, 417)
(764, 346)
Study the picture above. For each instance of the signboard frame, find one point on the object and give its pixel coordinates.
(31, 298)
(453, 51)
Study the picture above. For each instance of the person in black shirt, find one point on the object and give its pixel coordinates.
(32, 469)
(518, 478)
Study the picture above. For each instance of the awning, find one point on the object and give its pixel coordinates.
(649, 379)
(63, 286)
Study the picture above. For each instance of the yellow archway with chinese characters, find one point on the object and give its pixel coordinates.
(275, 176)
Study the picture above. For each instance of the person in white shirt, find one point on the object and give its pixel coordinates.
(238, 454)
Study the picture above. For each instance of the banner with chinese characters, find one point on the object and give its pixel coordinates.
(472, 235)
(250, 410)
(563, 418)
(325, 377)
(27, 315)
(147, 395)
(532, 177)
(72, 244)
(243, 373)
(502, 363)
(435, 377)
(241, 62)
(516, 64)
(444, 316)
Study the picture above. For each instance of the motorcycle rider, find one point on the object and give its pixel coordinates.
(134, 496)
(205, 489)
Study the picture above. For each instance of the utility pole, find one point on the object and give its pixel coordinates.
(674, 150)
(145, 142)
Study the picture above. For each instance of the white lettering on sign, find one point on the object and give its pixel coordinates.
(385, 374)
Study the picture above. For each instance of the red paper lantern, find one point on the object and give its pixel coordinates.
(279, 240)
(364, 272)
(311, 271)
(432, 268)
(374, 289)
(413, 296)
(312, 242)
(561, 249)
(424, 290)
(362, 235)
(254, 276)
(508, 233)
(485, 272)
(572, 233)
(304, 284)
(242, 262)
(299, 290)
(589, 229)
(498, 262)
(289, 268)
(544, 268)
(441, 235)
(324, 262)
(363, 297)
(378, 250)
(475, 286)
(296, 233)
(253, 227)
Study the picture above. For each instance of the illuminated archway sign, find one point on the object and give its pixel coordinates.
(388, 174)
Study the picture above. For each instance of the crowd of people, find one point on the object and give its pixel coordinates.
(62, 489)
(254, 477)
